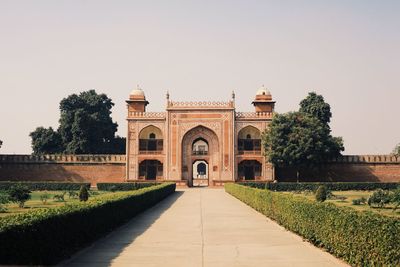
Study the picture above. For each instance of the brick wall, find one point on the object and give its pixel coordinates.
(76, 168)
(360, 168)
(111, 168)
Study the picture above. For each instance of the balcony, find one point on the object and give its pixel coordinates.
(199, 152)
(249, 152)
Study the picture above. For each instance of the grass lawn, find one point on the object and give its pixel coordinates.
(350, 195)
(35, 202)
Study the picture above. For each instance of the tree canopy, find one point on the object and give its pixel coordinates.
(396, 150)
(86, 127)
(302, 139)
(316, 106)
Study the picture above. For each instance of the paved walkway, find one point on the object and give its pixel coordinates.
(202, 227)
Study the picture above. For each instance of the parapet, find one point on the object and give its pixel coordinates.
(63, 159)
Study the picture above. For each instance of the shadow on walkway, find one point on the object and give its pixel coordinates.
(105, 250)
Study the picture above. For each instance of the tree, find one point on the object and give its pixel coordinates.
(19, 194)
(316, 106)
(322, 193)
(4, 199)
(300, 141)
(46, 141)
(396, 150)
(86, 127)
(83, 194)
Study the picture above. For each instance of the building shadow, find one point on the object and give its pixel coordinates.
(105, 250)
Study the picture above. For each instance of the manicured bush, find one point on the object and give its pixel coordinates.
(46, 236)
(360, 238)
(395, 199)
(44, 186)
(379, 198)
(332, 186)
(123, 186)
(19, 194)
(44, 197)
(4, 199)
(321, 194)
(83, 194)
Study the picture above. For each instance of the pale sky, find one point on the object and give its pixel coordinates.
(348, 51)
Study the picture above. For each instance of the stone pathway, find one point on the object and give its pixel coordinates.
(202, 227)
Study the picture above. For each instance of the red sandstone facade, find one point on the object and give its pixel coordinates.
(194, 143)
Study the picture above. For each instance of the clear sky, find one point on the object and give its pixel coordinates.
(348, 51)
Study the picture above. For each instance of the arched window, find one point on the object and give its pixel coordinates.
(150, 140)
(249, 140)
(200, 147)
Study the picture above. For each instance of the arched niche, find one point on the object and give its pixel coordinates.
(249, 140)
(150, 140)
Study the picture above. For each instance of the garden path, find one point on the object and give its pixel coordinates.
(202, 227)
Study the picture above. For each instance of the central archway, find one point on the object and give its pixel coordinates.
(200, 144)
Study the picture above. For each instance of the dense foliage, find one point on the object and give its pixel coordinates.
(396, 150)
(83, 194)
(303, 139)
(360, 238)
(86, 127)
(19, 194)
(322, 193)
(46, 236)
(338, 186)
(123, 186)
(41, 186)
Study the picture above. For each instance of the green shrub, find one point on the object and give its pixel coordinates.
(47, 236)
(59, 197)
(19, 194)
(360, 238)
(4, 199)
(379, 198)
(44, 197)
(395, 199)
(72, 194)
(83, 194)
(332, 186)
(359, 201)
(123, 186)
(44, 186)
(322, 193)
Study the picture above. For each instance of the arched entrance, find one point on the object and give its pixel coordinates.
(249, 170)
(200, 156)
(200, 173)
(150, 169)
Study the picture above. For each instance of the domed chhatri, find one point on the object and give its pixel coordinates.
(263, 91)
(263, 101)
(137, 93)
(137, 101)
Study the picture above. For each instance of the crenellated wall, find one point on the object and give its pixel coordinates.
(351, 168)
(74, 168)
(111, 168)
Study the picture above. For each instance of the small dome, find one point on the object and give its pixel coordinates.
(263, 91)
(137, 92)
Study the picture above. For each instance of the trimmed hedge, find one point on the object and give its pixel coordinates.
(40, 186)
(333, 186)
(123, 186)
(47, 236)
(360, 238)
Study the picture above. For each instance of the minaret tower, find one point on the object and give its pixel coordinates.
(137, 101)
(263, 101)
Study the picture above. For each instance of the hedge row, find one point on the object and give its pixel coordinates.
(338, 186)
(40, 186)
(46, 236)
(360, 238)
(123, 186)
